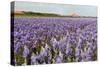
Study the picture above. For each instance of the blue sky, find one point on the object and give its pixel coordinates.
(62, 9)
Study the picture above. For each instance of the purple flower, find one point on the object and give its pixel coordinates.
(17, 46)
(33, 58)
(78, 52)
(25, 52)
(68, 51)
(58, 59)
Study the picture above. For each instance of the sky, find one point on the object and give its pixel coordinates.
(62, 9)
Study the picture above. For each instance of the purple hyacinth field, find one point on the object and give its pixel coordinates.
(52, 39)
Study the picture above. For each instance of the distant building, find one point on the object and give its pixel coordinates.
(74, 15)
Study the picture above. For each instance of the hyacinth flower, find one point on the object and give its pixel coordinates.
(37, 59)
(61, 55)
(62, 48)
(16, 47)
(33, 59)
(68, 51)
(16, 33)
(25, 52)
(58, 59)
(77, 54)
(55, 44)
(47, 47)
(43, 52)
(89, 53)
